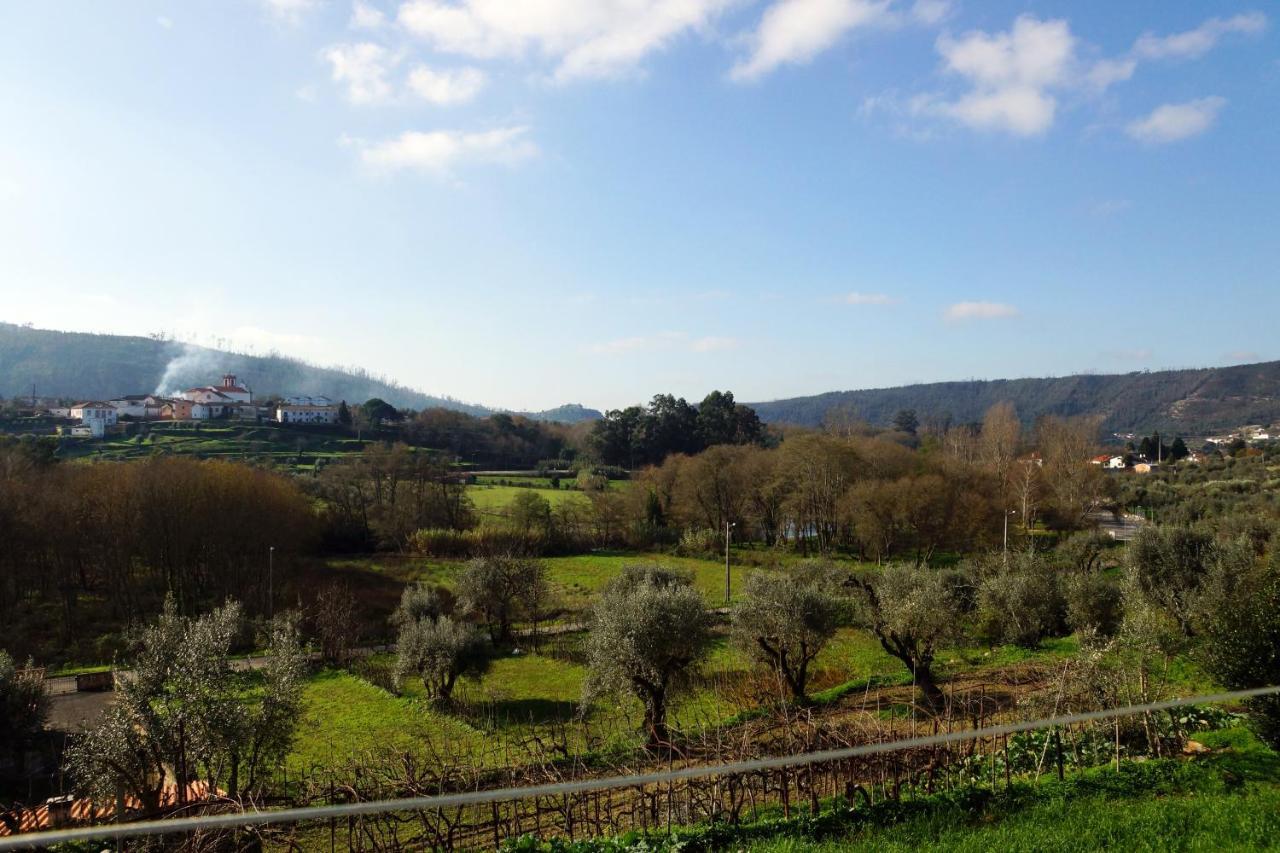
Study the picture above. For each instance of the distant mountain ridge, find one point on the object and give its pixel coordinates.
(1188, 402)
(93, 366)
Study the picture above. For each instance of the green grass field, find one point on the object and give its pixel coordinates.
(496, 498)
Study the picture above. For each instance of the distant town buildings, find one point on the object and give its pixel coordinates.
(231, 399)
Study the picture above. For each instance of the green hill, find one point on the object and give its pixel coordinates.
(1190, 402)
(90, 366)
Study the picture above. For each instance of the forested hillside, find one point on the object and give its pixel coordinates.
(75, 364)
(1190, 402)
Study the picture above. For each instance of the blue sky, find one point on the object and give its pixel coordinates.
(528, 202)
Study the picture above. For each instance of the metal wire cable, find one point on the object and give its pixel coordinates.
(471, 798)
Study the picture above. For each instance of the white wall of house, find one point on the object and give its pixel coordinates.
(88, 412)
(307, 414)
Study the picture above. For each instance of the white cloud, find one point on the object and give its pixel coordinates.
(1011, 75)
(365, 16)
(1193, 44)
(439, 152)
(164, 22)
(714, 344)
(963, 311)
(1242, 356)
(620, 345)
(795, 31)
(362, 68)
(1173, 122)
(450, 86)
(856, 298)
(1106, 72)
(931, 12)
(584, 38)
(290, 11)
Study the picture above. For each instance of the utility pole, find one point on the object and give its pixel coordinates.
(271, 572)
(728, 528)
(1006, 534)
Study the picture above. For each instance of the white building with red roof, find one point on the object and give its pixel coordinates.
(215, 401)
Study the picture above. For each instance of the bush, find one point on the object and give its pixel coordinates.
(439, 652)
(481, 542)
(1021, 603)
(1094, 602)
(699, 542)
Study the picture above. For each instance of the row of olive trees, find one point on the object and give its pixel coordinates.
(650, 628)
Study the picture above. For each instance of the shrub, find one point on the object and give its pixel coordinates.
(439, 652)
(1021, 603)
(1093, 601)
(700, 542)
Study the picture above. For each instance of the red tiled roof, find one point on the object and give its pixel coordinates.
(84, 810)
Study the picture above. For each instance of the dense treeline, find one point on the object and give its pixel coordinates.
(497, 441)
(879, 498)
(870, 495)
(379, 499)
(120, 536)
(637, 436)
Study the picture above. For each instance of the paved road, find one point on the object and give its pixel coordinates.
(1120, 526)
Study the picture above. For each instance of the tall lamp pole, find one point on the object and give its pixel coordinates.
(728, 527)
(1006, 533)
(271, 573)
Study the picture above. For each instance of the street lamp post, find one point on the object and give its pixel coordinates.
(728, 527)
(1006, 533)
(271, 573)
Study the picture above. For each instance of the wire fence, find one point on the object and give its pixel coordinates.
(650, 801)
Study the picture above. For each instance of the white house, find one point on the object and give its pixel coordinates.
(1116, 463)
(307, 401)
(292, 414)
(139, 405)
(216, 401)
(103, 413)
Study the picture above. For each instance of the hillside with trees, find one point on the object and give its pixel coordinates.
(1190, 402)
(91, 366)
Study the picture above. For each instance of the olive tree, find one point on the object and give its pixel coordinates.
(648, 630)
(1241, 626)
(500, 590)
(1021, 601)
(1168, 567)
(417, 602)
(439, 651)
(24, 705)
(783, 621)
(911, 610)
(184, 714)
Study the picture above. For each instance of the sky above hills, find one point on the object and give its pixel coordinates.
(523, 202)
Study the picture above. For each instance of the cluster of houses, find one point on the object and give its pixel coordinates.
(231, 400)
(1137, 463)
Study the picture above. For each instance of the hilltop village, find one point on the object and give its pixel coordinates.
(232, 400)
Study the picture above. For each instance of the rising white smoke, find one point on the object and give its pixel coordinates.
(191, 366)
